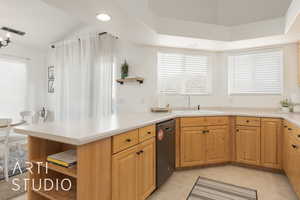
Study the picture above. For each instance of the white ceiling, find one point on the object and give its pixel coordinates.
(42, 23)
(209, 25)
(220, 12)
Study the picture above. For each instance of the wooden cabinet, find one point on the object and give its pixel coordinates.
(133, 172)
(125, 175)
(217, 146)
(248, 145)
(125, 140)
(147, 168)
(248, 121)
(204, 145)
(293, 163)
(271, 143)
(192, 146)
(285, 145)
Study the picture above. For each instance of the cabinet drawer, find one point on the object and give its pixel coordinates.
(146, 133)
(125, 140)
(248, 121)
(203, 121)
(217, 121)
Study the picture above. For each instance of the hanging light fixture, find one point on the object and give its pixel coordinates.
(4, 42)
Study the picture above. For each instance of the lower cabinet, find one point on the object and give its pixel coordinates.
(248, 145)
(192, 146)
(147, 169)
(204, 145)
(293, 163)
(271, 143)
(217, 146)
(133, 172)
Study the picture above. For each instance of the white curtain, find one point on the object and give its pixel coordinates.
(14, 90)
(83, 85)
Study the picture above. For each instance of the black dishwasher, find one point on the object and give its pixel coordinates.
(165, 151)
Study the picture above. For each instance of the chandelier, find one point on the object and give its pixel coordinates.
(4, 42)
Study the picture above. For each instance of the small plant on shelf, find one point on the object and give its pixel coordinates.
(124, 70)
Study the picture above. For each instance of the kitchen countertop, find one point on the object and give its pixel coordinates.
(79, 132)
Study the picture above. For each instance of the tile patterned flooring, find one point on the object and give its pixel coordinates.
(270, 186)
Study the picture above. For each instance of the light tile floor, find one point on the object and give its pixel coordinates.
(270, 186)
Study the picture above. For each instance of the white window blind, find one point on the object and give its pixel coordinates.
(183, 74)
(256, 73)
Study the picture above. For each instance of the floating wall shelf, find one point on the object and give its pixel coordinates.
(124, 80)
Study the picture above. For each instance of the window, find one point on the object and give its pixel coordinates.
(183, 74)
(256, 73)
(13, 88)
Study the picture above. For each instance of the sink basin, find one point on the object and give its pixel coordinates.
(198, 111)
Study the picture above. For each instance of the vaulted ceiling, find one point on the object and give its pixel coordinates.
(42, 23)
(197, 24)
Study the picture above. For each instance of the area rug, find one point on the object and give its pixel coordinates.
(6, 188)
(207, 189)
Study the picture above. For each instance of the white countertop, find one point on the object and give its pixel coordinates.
(81, 132)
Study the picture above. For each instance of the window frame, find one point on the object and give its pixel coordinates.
(209, 72)
(249, 52)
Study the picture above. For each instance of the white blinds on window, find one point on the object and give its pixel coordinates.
(256, 73)
(183, 74)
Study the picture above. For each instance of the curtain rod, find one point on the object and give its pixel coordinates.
(102, 33)
(14, 56)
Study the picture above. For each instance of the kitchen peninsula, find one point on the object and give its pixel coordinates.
(110, 164)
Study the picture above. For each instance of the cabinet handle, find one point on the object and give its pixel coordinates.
(149, 132)
(294, 146)
(247, 121)
(203, 132)
(139, 152)
(128, 140)
(237, 130)
(290, 129)
(285, 126)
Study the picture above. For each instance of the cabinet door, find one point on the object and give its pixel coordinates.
(147, 168)
(125, 174)
(248, 145)
(293, 164)
(217, 144)
(192, 146)
(271, 143)
(285, 146)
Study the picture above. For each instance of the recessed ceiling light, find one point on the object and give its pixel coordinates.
(103, 17)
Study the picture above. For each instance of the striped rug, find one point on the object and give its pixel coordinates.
(207, 189)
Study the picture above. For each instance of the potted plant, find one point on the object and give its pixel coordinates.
(285, 104)
(124, 70)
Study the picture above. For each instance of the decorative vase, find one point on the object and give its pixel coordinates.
(285, 109)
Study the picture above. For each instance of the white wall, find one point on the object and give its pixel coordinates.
(142, 62)
(133, 97)
(36, 72)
